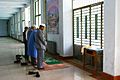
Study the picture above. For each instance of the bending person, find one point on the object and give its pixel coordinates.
(40, 43)
(32, 51)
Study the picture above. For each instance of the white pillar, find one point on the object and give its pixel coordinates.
(67, 28)
(32, 13)
(117, 39)
(111, 64)
(43, 11)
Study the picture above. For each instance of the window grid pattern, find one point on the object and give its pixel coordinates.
(12, 26)
(90, 29)
(18, 24)
(23, 20)
(77, 28)
(85, 26)
(37, 8)
(27, 16)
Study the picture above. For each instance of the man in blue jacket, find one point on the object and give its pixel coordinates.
(32, 51)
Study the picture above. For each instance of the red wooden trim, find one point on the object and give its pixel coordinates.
(109, 77)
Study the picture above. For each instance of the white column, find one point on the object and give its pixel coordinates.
(32, 12)
(43, 11)
(111, 64)
(117, 39)
(67, 28)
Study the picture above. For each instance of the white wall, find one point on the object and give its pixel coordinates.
(64, 38)
(117, 38)
(3, 28)
(109, 36)
(111, 64)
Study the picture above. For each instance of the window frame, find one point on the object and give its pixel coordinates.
(78, 36)
(37, 8)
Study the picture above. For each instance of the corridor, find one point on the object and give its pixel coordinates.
(10, 71)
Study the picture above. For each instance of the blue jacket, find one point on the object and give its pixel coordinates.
(32, 51)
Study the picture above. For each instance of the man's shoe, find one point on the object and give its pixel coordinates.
(41, 68)
(35, 66)
(31, 72)
(37, 74)
(24, 64)
(18, 61)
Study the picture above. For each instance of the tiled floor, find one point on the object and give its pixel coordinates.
(10, 71)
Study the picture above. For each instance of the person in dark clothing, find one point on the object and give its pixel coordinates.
(25, 42)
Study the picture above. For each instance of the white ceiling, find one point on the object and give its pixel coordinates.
(81, 3)
(10, 7)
